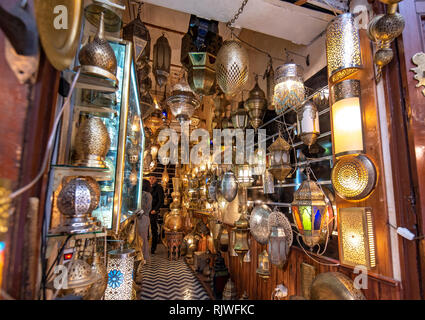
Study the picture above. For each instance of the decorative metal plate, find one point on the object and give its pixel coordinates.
(60, 45)
(259, 223)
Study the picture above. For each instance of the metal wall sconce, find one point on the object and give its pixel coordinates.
(356, 237)
(382, 30)
(342, 47)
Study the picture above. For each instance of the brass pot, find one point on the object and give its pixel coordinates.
(97, 57)
(173, 222)
(92, 143)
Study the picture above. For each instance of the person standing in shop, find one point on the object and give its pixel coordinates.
(144, 219)
(157, 203)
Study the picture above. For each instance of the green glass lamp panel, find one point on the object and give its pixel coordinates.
(305, 212)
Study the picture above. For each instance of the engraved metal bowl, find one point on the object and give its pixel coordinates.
(232, 67)
(334, 286)
(92, 143)
(228, 186)
(259, 223)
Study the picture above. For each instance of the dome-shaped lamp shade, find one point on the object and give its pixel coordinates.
(161, 60)
(342, 47)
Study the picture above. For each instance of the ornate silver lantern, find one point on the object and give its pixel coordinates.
(280, 162)
(161, 60)
(289, 87)
(232, 67)
(308, 123)
(281, 237)
(256, 105)
(182, 101)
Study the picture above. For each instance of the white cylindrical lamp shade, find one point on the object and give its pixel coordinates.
(120, 275)
(347, 118)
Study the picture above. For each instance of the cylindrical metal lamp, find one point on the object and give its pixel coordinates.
(342, 47)
(120, 274)
(308, 123)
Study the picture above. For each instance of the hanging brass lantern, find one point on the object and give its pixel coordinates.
(244, 175)
(182, 101)
(161, 60)
(280, 162)
(256, 105)
(230, 291)
(241, 230)
(312, 212)
(289, 87)
(308, 123)
(232, 67)
(165, 178)
(92, 143)
(139, 35)
(154, 121)
(263, 269)
(97, 57)
(240, 117)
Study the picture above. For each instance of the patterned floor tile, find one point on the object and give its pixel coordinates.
(163, 279)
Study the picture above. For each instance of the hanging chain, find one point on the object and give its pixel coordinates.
(236, 16)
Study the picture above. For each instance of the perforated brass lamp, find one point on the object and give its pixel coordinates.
(346, 118)
(342, 47)
(356, 237)
(240, 117)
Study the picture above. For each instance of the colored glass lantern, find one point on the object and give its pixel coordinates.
(201, 73)
(346, 118)
(161, 60)
(289, 87)
(356, 237)
(279, 163)
(308, 123)
(342, 47)
(311, 212)
(120, 274)
(263, 269)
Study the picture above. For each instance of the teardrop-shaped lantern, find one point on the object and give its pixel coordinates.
(161, 60)
(232, 67)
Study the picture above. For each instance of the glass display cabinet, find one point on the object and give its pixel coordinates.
(120, 172)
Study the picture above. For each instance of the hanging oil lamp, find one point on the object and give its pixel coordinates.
(263, 269)
(308, 123)
(161, 60)
(97, 57)
(279, 163)
(256, 105)
(312, 212)
(232, 67)
(289, 87)
(182, 101)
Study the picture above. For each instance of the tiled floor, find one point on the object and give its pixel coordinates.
(169, 280)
